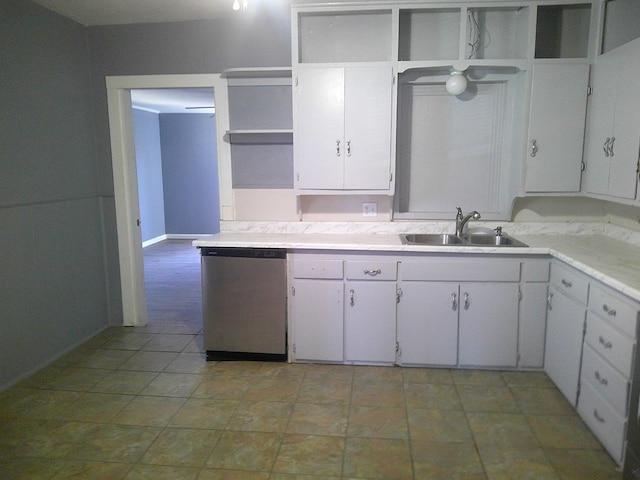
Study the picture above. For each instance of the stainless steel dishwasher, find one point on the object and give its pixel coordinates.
(244, 303)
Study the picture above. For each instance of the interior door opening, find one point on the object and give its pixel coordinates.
(127, 200)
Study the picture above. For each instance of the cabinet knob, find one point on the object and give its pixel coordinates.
(597, 416)
(566, 283)
(534, 147)
(348, 148)
(610, 311)
(605, 147)
(605, 343)
(549, 300)
(352, 299)
(613, 139)
(337, 148)
(373, 273)
(467, 303)
(602, 381)
(454, 302)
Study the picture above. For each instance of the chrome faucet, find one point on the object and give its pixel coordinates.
(461, 220)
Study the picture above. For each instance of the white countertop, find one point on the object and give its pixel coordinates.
(614, 262)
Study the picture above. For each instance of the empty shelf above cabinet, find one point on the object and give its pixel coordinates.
(257, 72)
(262, 136)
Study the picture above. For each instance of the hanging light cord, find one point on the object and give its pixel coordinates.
(474, 33)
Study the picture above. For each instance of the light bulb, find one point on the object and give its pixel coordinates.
(236, 5)
(245, 5)
(456, 83)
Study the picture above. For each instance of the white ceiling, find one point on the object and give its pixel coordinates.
(114, 12)
(174, 100)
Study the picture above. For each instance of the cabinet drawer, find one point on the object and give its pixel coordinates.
(535, 270)
(621, 312)
(570, 281)
(461, 270)
(329, 269)
(371, 270)
(605, 379)
(603, 421)
(610, 344)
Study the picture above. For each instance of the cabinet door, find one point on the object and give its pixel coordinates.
(626, 126)
(554, 154)
(370, 321)
(367, 136)
(488, 324)
(599, 126)
(563, 346)
(318, 320)
(319, 130)
(428, 323)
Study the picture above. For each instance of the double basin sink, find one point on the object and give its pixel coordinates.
(474, 240)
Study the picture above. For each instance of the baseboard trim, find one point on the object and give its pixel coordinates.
(174, 236)
(157, 239)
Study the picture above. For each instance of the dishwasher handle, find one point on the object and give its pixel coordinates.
(244, 252)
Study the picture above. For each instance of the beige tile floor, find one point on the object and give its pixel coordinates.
(143, 404)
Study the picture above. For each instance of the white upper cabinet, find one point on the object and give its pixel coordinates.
(554, 153)
(343, 129)
(613, 124)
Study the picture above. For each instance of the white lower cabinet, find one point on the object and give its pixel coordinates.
(608, 362)
(488, 324)
(370, 322)
(317, 309)
(445, 320)
(591, 352)
(317, 296)
(428, 323)
(565, 324)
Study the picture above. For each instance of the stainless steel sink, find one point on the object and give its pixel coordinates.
(431, 239)
(494, 240)
(436, 239)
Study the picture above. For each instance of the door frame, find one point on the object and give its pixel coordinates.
(125, 178)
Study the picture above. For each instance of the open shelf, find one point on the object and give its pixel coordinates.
(257, 72)
(562, 31)
(265, 136)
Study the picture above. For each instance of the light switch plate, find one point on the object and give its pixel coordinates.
(369, 209)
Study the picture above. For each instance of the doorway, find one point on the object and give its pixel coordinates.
(177, 173)
(125, 176)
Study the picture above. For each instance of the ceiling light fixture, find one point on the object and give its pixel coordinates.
(456, 83)
(236, 5)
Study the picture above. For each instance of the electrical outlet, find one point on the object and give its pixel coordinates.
(369, 209)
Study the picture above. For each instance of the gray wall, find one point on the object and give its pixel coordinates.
(59, 277)
(146, 127)
(53, 289)
(177, 173)
(204, 46)
(189, 173)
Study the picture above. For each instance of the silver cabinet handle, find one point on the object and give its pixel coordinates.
(454, 302)
(605, 147)
(566, 283)
(337, 148)
(348, 148)
(534, 147)
(605, 343)
(610, 311)
(597, 416)
(467, 303)
(602, 381)
(373, 273)
(549, 300)
(352, 300)
(613, 139)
